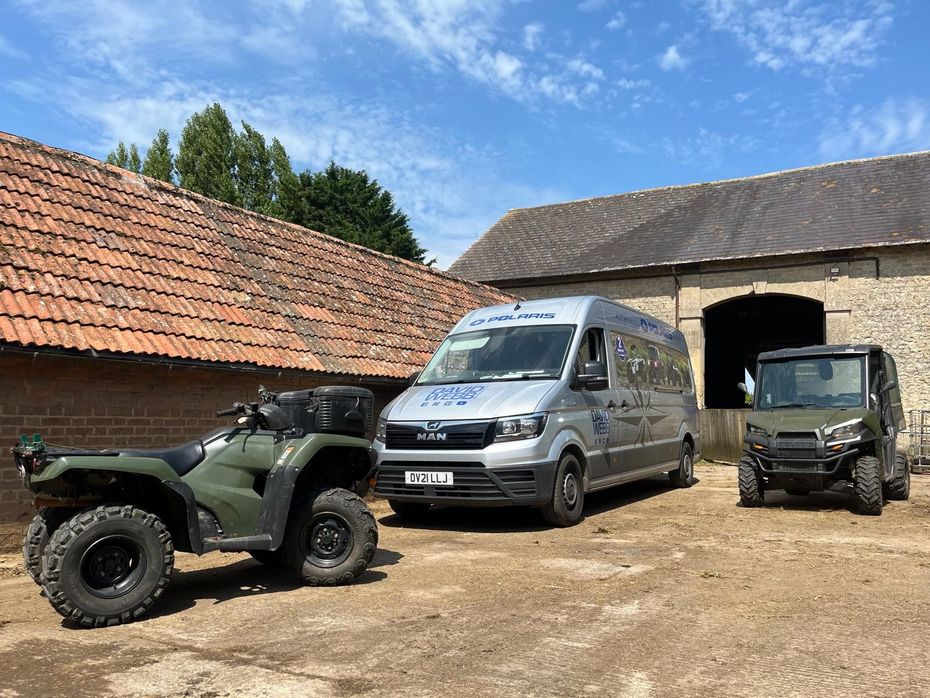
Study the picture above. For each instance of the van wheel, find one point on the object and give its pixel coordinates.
(684, 475)
(410, 511)
(868, 486)
(751, 491)
(567, 503)
(899, 487)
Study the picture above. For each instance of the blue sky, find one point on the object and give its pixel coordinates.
(466, 108)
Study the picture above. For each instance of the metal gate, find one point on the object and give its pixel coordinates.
(919, 429)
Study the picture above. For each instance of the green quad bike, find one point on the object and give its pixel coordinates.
(283, 484)
(823, 415)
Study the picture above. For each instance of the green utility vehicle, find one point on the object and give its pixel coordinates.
(822, 415)
(282, 484)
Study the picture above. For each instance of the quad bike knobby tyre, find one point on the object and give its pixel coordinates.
(331, 537)
(36, 538)
(108, 565)
(683, 476)
(868, 486)
(900, 486)
(567, 504)
(751, 492)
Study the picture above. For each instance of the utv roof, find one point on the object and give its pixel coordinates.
(818, 350)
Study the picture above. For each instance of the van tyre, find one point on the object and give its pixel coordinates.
(567, 504)
(684, 475)
(409, 511)
(899, 488)
(36, 538)
(751, 490)
(108, 565)
(331, 537)
(868, 486)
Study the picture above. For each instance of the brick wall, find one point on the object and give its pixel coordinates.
(97, 403)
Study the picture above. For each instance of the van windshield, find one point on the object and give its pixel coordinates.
(502, 353)
(816, 382)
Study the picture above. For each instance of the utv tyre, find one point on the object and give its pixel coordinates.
(35, 540)
(108, 565)
(331, 537)
(868, 486)
(269, 558)
(684, 475)
(900, 486)
(751, 491)
(567, 504)
(410, 511)
(797, 491)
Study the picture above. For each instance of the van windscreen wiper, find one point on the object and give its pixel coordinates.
(802, 405)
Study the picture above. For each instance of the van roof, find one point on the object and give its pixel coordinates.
(818, 350)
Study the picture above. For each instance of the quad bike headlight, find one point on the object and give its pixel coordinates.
(845, 431)
(527, 426)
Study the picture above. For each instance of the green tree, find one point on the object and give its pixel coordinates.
(159, 163)
(127, 158)
(206, 155)
(347, 204)
(253, 170)
(285, 185)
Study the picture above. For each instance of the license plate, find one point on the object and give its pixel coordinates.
(438, 479)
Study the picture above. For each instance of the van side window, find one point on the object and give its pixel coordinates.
(641, 365)
(590, 349)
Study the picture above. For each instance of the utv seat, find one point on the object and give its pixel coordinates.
(182, 459)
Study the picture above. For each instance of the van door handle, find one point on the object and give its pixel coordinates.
(624, 405)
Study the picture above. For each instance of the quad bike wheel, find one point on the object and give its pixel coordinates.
(751, 490)
(331, 537)
(567, 504)
(868, 486)
(108, 565)
(900, 486)
(683, 476)
(36, 538)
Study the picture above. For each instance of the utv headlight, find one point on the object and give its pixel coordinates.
(845, 431)
(527, 426)
(381, 432)
(756, 431)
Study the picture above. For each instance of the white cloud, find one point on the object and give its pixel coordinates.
(626, 84)
(594, 5)
(672, 59)
(805, 33)
(585, 69)
(663, 27)
(708, 148)
(617, 22)
(894, 126)
(741, 97)
(531, 36)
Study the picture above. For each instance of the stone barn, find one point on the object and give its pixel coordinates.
(131, 310)
(828, 254)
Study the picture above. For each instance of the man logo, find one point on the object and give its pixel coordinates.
(432, 426)
(431, 436)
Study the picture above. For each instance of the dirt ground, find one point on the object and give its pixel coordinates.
(659, 592)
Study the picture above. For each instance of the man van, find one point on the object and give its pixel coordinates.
(538, 403)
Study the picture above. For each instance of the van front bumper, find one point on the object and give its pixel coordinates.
(474, 483)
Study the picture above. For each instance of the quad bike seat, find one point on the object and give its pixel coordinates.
(182, 459)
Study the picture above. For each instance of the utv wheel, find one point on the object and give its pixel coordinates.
(567, 503)
(269, 558)
(900, 486)
(35, 540)
(751, 491)
(684, 475)
(868, 486)
(797, 491)
(410, 511)
(108, 565)
(331, 538)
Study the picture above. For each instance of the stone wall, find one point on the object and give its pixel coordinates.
(95, 403)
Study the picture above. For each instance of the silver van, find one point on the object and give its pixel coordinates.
(538, 403)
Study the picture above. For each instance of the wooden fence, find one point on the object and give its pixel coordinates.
(722, 434)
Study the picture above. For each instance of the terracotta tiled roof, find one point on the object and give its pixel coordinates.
(93, 257)
(839, 206)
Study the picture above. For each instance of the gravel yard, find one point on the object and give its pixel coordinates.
(657, 592)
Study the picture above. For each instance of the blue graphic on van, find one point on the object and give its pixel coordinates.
(505, 318)
(600, 421)
(620, 348)
(452, 395)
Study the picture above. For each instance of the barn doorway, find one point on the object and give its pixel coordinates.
(736, 331)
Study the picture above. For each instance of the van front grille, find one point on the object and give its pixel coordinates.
(449, 436)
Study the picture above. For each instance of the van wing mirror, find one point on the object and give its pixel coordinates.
(412, 378)
(594, 376)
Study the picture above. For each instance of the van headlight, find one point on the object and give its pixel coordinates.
(381, 431)
(526, 426)
(844, 431)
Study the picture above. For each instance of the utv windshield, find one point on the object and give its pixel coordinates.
(502, 353)
(815, 382)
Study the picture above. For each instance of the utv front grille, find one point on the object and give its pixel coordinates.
(796, 445)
